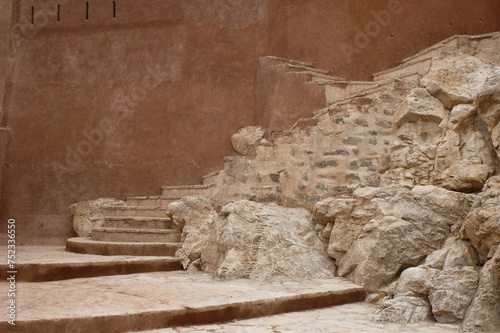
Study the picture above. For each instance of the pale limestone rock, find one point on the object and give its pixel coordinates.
(484, 313)
(489, 100)
(459, 254)
(452, 292)
(388, 243)
(457, 80)
(453, 205)
(482, 224)
(414, 281)
(326, 233)
(421, 105)
(327, 210)
(381, 229)
(87, 215)
(495, 139)
(195, 216)
(403, 309)
(461, 116)
(245, 140)
(465, 176)
(436, 259)
(265, 242)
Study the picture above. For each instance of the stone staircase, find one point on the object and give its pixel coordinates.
(142, 228)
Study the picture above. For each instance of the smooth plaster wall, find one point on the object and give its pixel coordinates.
(114, 107)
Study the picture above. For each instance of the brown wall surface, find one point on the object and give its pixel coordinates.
(113, 107)
(345, 36)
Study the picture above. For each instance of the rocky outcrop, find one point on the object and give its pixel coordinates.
(401, 182)
(484, 313)
(482, 224)
(250, 240)
(445, 282)
(379, 231)
(457, 80)
(195, 216)
(246, 139)
(87, 215)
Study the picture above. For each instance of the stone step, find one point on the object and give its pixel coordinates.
(307, 69)
(151, 201)
(143, 211)
(290, 61)
(337, 91)
(368, 92)
(148, 301)
(136, 235)
(451, 45)
(187, 190)
(212, 178)
(87, 245)
(419, 66)
(136, 222)
(88, 266)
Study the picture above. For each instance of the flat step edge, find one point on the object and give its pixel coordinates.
(148, 320)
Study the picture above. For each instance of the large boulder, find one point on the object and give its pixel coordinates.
(245, 140)
(403, 309)
(484, 313)
(451, 293)
(482, 224)
(88, 215)
(378, 231)
(444, 284)
(388, 243)
(457, 80)
(265, 242)
(195, 216)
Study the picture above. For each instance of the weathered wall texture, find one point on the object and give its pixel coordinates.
(117, 106)
(355, 38)
(284, 93)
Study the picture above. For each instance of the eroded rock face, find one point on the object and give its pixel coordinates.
(87, 215)
(482, 224)
(378, 231)
(457, 80)
(484, 313)
(451, 293)
(195, 216)
(403, 309)
(251, 240)
(245, 140)
(446, 282)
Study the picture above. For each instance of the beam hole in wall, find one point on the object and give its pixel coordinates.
(114, 9)
(58, 13)
(32, 15)
(87, 13)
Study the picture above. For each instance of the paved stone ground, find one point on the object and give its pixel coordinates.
(348, 318)
(164, 291)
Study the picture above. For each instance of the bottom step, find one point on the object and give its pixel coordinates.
(86, 245)
(157, 300)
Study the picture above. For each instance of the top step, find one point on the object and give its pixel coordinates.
(188, 190)
(151, 201)
(417, 67)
